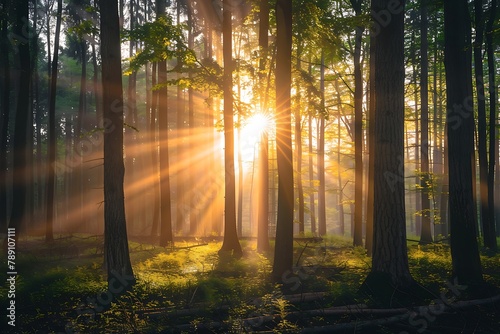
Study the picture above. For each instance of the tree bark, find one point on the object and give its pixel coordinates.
(193, 170)
(166, 233)
(312, 204)
(493, 132)
(358, 131)
(52, 148)
(263, 215)
(154, 153)
(116, 251)
(298, 146)
(426, 232)
(131, 190)
(481, 123)
(371, 151)
(20, 146)
(390, 259)
(283, 252)
(460, 120)
(231, 243)
(181, 155)
(4, 119)
(321, 155)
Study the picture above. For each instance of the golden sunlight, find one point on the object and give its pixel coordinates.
(251, 133)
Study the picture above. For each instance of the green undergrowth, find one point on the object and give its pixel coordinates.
(191, 288)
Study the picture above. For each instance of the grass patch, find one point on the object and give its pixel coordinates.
(186, 286)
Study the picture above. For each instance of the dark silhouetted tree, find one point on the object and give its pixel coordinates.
(231, 243)
(283, 252)
(464, 249)
(116, 251)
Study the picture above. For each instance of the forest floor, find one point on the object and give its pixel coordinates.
(61, 288)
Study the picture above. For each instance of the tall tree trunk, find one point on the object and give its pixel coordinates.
(97, 219)
(390, 259)
(214, 218)
(437, 156)
(239, 214)
(263, 207)
(371, 150)
(481, 122)
(20, 147)
(340, 186)
(444, 196)
(312, 205)
(321, 156)
(52, 148)
(426, 233)
(194, 172)
(358, 131)
(493, 132)
(298, 145)
(4, 118)
(116, 251)
(231, 243)
(38, 114)
(464, 249)
(154, 153)
(130, 137)
(283, 252)
(81, 172)
(166, 233)
(418, 199)
(181, 155)
(263, 215)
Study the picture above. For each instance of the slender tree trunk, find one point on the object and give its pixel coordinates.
(283, 252)
(321, 156)
(166, 233)
(130, 137)
(239, 214)
(426, 233)
(231, 243)
(154, 154)
(4, 119)
(438, 146)
(68, 203)
(444, 202)
(493, 132)
(20, 168)
(38, 111)
(371, 150)
(52, 148)
(116, 251)
(181, 155)
(464, 249)
(194, 172)
(81, 172)
(312, 204)
(298, 146)
(97, 219)
(340, 191)
(481, 122)
(263, 215)
(358, 131)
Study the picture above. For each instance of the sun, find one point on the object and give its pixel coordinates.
(257, 124)
(251, 133)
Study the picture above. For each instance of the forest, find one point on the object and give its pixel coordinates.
(250, 166)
